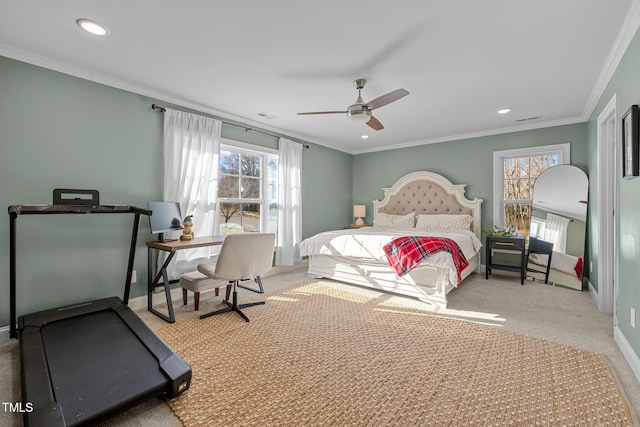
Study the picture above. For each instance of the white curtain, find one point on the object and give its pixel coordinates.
(556, 232)
(289, 202)
(191, 152)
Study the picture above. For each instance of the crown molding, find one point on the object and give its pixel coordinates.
(480, 134)
(623, 40)
(123, 84)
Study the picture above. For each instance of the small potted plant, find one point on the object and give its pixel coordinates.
(497, 231)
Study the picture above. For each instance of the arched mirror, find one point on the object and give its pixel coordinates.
(558, 218)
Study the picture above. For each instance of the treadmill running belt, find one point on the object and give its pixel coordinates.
(97, 365)
(84, 363)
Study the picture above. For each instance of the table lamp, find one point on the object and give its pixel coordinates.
(359, 211)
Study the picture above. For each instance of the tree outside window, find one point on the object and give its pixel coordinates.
(514, 174)
(519, 177)
(247, 189)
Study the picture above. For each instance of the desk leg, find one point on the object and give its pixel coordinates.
(151, 284)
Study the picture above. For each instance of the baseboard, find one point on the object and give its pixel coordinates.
(594, 294)
(4, 334)
(627, 351)
(158, 297)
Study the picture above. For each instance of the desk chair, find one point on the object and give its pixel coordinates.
(242, 256)
(197, 282)
(542, 247)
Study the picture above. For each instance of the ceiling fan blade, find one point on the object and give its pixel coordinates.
(388, 98)
(375, 124)
(323, 112)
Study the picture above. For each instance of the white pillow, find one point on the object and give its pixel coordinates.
(397, 221)
(444, 222)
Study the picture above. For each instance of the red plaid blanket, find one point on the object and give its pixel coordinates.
(578, 267)
(404, 253)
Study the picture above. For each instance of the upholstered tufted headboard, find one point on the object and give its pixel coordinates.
(428, 193)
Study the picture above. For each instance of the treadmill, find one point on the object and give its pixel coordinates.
(84, 363)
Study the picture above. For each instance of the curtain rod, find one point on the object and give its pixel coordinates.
(246, 129)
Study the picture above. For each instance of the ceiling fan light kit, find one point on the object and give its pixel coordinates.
(359, 115)
(361, 111)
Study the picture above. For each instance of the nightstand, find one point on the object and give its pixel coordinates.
(358, 226)
(509, 244)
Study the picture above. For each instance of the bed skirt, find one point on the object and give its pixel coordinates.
(426, 283)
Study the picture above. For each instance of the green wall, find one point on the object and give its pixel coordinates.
(467, 161)
(59, 131)
(626, 85)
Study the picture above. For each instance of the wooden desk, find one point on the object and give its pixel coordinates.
(171, 246)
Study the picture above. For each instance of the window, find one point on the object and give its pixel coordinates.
(537, 227)
(514, 174)
(247, 189)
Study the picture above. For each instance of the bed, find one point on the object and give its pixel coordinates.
(424, 199)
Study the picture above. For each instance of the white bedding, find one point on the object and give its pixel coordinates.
(367, 243)
(559, 261)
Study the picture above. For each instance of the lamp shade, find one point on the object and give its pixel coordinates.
(359, 211)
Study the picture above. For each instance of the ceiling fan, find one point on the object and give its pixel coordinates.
(361, 111)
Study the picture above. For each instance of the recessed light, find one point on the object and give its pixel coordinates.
(504, 111)
(364, 136)
(93, 27)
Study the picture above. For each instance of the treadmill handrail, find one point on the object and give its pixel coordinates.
(70, 209)
(39, 209)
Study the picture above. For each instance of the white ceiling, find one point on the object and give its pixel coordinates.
(460, 60)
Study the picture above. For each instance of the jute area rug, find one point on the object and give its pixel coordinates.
(319, 356)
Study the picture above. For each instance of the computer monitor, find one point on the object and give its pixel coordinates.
(166, 216)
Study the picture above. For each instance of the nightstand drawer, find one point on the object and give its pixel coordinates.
(515, 243)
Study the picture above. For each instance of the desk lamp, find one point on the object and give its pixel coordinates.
(359, 211)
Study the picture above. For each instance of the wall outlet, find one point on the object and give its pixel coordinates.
(633, 317)
(134, 277)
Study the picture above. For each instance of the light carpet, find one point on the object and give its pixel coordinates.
(321, 356)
